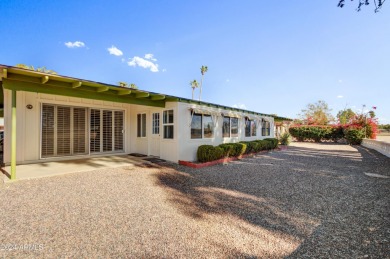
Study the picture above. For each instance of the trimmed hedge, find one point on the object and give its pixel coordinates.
(274, 142)
(208, 153)
(354, 135)
(233, 149)
(316, 133)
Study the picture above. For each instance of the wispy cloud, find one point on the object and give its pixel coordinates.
(164, 70)
(340, 81)
(340, 96)
(144, 62)
(115, 51)
(240, 106)
(150, 57)
(76, 44)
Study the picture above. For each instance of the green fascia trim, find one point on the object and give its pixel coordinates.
(65, 89)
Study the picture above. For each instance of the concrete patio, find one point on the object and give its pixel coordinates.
(47, 169)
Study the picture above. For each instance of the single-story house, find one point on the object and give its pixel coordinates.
(51, 117)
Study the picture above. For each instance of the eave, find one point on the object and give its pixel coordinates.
(31, 81)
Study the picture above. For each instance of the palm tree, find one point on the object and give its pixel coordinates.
(203, 70)
(194, 84)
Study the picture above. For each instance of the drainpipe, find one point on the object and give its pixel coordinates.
(13, 137)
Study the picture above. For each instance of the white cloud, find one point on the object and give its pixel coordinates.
(150, 57)
(340, 81)
(227, 80)
(140, 62)
(340, 96)
(240, 106)
(115, 51)
(76, 44)
(164, 70)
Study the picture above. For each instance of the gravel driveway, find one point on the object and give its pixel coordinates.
(311, 201)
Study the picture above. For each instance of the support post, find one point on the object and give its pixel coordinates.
(13, 137)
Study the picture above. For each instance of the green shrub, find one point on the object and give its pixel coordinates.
(227, 149)
(251, 146)
(274, 142)
(208, 153)
(354, 135)
(285, 139)
(313, 133)
(238, 149)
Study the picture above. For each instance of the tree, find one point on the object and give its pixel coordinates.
(378, 4)
(203, 70)
(345, 116)
(316, 113)
(39, 69)
(194, 84)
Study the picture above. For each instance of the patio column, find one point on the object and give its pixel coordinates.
(13, 136)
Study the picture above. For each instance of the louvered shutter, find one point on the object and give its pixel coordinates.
(47, 147)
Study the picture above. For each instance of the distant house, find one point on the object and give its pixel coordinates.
(53, 117)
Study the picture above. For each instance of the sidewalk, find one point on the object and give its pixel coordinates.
(38, 170)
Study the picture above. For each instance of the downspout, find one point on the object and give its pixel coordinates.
(13, 137)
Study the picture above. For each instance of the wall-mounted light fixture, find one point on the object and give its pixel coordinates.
(29, 106)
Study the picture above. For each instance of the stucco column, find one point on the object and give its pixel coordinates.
(13, 136)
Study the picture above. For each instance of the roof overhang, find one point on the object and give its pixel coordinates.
(31, 81)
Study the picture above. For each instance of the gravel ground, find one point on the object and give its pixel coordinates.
(311, 201)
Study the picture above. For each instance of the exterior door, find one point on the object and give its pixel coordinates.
(155, 138)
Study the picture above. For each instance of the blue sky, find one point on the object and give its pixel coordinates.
(262, 55)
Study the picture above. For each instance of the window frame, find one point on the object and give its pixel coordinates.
(141, 125)
(252, 128)
(167, 124)
(156, 123)
(202, 123)
(231, 127)
(265, 131)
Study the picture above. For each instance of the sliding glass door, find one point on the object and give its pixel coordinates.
(106, 131)
(65, 130)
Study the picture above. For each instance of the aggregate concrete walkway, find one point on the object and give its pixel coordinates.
(311, 201)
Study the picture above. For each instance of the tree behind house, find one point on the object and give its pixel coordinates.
(316, 114)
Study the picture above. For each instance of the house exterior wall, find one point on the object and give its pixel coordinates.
(29, 126)
(188, 147)
(181, 147)
(168, 147)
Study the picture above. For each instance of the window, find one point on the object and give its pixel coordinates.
(208, 126)
(196, 126)
(156, 123)
(234, 127)
(168, 124)
(226, 127)
(202, 126)
(250, 128)
(253, 128)
(141, 125)
(229, 127)
(266, 128)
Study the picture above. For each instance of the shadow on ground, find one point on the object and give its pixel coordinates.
(317, 196)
